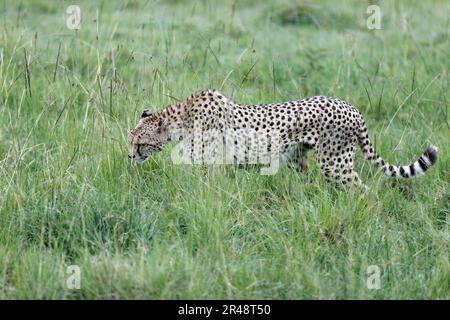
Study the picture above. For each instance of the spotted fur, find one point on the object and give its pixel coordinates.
(329, 126)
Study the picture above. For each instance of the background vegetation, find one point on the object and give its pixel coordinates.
(70, 196)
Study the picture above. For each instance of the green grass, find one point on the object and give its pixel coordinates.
(70, 196)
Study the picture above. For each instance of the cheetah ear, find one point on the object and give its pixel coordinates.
(146, 113)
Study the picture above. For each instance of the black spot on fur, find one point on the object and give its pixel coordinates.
(403, 172)
(422, 164)
(413, 171)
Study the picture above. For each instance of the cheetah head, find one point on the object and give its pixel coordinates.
(149, 136)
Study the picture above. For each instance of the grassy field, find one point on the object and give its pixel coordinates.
(70, 196)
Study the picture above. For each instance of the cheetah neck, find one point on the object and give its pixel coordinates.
(175, 117)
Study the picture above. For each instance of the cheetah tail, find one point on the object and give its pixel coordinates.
(418, 168)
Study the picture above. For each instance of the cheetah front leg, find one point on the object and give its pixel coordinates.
(304, 167)
(299, 160)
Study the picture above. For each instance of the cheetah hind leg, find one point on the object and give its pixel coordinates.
(356, 181)
(349, 177)
(343, 174)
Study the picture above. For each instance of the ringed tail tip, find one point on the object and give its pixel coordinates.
(432, 153)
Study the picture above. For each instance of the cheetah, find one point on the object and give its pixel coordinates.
(329, 126)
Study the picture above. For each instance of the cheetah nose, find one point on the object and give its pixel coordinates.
(131, 156)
